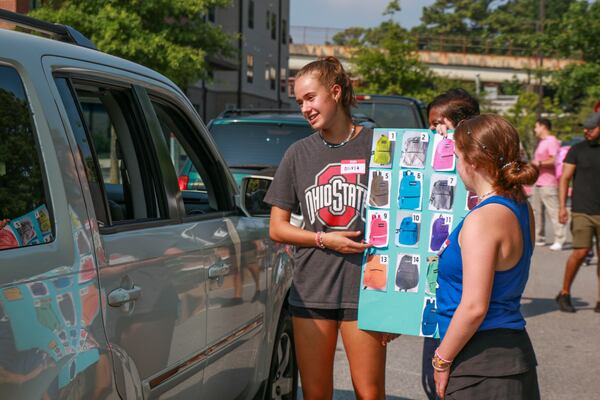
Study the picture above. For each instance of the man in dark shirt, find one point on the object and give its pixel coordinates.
(582, 164)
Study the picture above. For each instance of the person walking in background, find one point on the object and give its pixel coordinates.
(582, 165)
(328, 258)
(545, 190)
(485, 351)
(444, 112)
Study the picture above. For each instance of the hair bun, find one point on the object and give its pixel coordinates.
(518, 173)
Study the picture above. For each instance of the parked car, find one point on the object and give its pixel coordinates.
(115, 282)
(393, 111)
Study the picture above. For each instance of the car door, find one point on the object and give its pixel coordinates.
(152, 272)
(236, 286)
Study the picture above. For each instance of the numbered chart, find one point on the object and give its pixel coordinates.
(415, 199)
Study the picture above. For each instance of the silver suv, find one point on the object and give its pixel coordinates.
(114, 282)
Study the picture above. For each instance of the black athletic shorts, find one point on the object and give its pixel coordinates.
(335, 314)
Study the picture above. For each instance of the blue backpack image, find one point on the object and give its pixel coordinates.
(410, 192)
(429, 321)
(409, 232)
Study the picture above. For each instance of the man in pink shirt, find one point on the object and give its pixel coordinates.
(545, 191)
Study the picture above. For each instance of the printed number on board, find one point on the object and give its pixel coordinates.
(392, 136)
(416, 218)
(383, 259)
(447, 219)
(424, 137)
(452, 180)
(416, 259)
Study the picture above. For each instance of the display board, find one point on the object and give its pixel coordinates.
(415, 199)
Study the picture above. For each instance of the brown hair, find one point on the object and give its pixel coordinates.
(330, 72)
(491, 143)
(455, 104)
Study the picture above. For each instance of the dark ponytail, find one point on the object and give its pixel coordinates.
(330, 71)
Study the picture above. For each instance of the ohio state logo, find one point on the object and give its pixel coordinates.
(335, 199)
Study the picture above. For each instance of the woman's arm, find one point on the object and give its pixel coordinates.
(281, 230)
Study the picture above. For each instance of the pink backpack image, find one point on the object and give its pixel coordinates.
(444, 155)
(378, 233)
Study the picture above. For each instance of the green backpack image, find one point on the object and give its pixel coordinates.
(382, 150)
(432, 274)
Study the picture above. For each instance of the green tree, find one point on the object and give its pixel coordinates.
(352, 36)
(578, 31)
(170, 36)
(455, 17)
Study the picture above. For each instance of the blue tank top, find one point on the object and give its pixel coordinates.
(504, 309)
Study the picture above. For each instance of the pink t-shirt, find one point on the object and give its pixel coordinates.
(547, 148)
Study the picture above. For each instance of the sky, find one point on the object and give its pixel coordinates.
(346, 13)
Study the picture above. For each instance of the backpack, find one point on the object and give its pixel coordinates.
(442, 195)
(409, 232)
(382, 150)
(378, 232)
(415, 152)
(372, 280)
(378, 195)
(410, 192)
(472, 200)
(444, 155)
(432, 274)
(429, 321)
(439, 233)
(407, 275)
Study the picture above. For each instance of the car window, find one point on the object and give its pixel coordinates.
(186, 156)
(116, 151)
(390, 115)
(263, 144)
(25, 217)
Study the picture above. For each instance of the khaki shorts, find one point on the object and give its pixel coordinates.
(584, 228)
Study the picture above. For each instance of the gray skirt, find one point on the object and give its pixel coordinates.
(495, 364)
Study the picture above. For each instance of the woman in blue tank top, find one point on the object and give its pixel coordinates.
(485, 351)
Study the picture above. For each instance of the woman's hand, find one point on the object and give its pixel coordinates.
(342, 242)
(387, 337)
(441, 382)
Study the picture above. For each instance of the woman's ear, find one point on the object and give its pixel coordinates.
(336, 92)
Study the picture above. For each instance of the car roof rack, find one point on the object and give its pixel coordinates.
(64, 33)
(252, 111)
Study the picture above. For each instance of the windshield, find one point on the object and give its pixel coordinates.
(391, 115)
(256, 145)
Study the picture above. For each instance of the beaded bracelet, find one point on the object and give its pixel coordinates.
(319, 240)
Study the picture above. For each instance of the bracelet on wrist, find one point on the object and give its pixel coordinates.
(440, 364)
(319, 240)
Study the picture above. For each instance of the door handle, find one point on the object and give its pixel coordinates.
(121, 296)
(218, 270)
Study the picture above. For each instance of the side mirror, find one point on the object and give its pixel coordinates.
(253, 191)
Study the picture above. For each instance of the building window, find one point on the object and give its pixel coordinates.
(268, 20)
(283, 31)
(270, 75)
(273, 26)
(251, 14)
(33, 4)
(249, 68)
(211, 14)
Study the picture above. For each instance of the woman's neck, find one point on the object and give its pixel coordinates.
(338, 131)
(484, 188)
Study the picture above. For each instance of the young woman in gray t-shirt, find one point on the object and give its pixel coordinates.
(326, 175)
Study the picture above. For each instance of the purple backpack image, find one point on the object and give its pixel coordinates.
(439, 233)
(444, 155)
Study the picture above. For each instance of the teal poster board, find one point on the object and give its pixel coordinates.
(415, 199)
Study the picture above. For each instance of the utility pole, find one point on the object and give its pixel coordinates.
(540, 105)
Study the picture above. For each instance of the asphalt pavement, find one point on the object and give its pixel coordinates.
(567, 345)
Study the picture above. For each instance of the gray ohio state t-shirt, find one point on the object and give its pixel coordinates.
(312, 174)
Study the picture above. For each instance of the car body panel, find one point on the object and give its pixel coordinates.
(186, 335)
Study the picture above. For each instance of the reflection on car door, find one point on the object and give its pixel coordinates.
(236, 286)
(153, 275)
